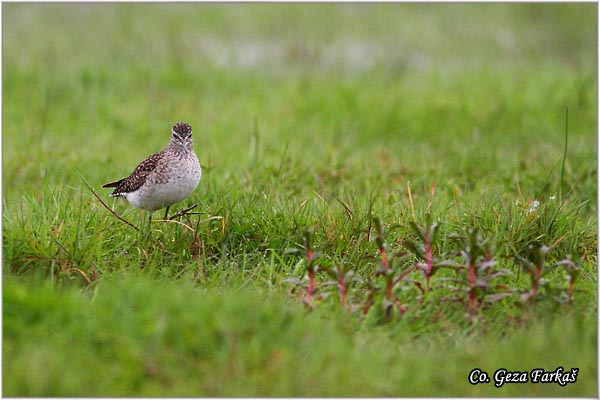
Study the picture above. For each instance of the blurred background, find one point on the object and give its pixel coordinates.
(99, 85)
(350, 38)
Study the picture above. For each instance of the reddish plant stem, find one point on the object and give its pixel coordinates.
(343, 291)
(386, 266)
(536, 282)
(420, 287)
(429, 260)
(571, 288)
(367, 305)
(309, 256)
(311, 285)
(472, 283)
(311, 275)
(384, 258)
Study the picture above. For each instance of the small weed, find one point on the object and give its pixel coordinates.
(537, 268)
(311, 267)
(478, 270)
(423, 248)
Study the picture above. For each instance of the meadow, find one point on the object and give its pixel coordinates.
(334, 139)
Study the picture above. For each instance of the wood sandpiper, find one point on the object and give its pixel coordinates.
(164, 178)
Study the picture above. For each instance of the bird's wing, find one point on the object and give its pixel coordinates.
(137, 177)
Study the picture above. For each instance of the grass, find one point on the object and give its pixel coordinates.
(259, 343)
(305, 117)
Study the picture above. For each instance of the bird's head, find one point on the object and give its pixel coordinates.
(182, 136)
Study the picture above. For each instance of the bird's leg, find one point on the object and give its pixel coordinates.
(166, 213)
(148, 228)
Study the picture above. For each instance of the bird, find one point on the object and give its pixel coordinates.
(164, 178)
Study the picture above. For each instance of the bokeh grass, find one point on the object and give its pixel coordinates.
(123, 339)
(296, 108)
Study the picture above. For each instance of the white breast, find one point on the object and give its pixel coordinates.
(172, 188)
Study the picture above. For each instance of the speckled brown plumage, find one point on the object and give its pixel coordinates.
(138, 176)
